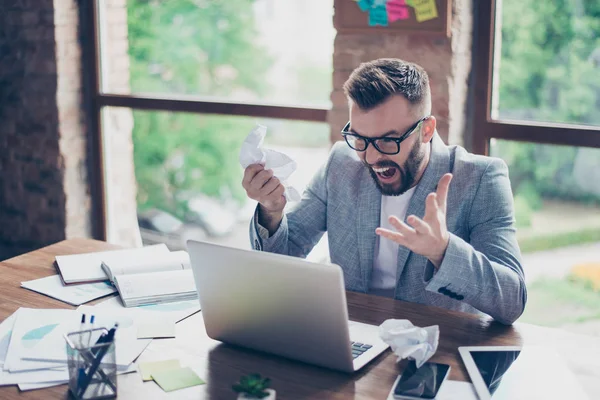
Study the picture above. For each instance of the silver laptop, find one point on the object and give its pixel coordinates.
(282, 305)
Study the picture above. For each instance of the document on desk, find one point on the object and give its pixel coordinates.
(78, 268)
(156, 287)
(24, 386)
(175, 312)
(75, 295)
(6, 327)
(31, 327)
(37, 376)
(128, 347)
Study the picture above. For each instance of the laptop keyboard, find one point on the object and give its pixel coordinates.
(359, 348)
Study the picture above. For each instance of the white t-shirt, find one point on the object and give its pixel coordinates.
(386, 251)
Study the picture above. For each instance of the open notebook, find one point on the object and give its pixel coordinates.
(87, 267)
(152, 279)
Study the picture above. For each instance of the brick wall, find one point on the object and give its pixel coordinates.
(44, 179)
(33, 106)
(446, 60)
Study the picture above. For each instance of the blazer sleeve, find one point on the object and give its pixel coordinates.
(486, 272)
(302, 226)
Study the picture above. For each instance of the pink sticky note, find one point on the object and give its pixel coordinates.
(396, 10)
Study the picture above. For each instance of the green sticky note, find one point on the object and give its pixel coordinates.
(174, 379)
(149, 368)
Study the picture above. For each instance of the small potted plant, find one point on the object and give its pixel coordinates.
(253, 387)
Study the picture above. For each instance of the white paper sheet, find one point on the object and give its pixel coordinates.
(128, 347)
(5, 332)
(41, 385)
(87, 267)
(75, 295)
(156, 287)
(175, 311)
(38, 376)
(451, 390)
(23, 387)
(31, 327)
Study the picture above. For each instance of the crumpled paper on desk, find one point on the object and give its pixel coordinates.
(282, 165)
(409, 341)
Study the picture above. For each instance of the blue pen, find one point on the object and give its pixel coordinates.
(92, 319)
(81, 326)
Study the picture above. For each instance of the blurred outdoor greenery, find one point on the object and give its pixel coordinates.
(549, 71)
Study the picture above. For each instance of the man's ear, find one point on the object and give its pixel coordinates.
(428, 129)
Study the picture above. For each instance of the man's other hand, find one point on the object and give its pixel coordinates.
(428, 236)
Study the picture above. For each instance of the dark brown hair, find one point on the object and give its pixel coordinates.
(375, 81)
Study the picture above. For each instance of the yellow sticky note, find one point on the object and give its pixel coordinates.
(174, 379)
(424, 9)
(148, 368)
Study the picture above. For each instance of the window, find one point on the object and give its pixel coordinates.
(537, 76)
(240, 50)
(537, 72)
(190, 79)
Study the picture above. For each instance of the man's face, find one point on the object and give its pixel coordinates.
(393, 174)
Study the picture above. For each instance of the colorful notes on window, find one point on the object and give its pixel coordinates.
(425, 9)
(378, 16)
(396, 10)
(383, 12)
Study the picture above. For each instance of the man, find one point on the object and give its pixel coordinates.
(395, 224)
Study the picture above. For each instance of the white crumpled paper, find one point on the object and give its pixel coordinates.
(282, 165)
(409, 341)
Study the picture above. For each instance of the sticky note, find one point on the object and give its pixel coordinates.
(156, 330)
(425, 10)
(378, 16)
(174, 379)
(396, 10)
(148, 368)
(364, 5)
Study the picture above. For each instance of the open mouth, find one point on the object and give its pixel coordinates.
(386, 174)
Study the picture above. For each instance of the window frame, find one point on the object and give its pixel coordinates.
(484, 127)
(96, 100)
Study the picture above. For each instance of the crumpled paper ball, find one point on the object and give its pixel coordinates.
(409, 341)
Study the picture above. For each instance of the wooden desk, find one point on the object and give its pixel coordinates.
(222, 365)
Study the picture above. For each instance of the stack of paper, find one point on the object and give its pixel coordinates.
(33, 349)
(145, 280)
(78, 268)
(142, 276)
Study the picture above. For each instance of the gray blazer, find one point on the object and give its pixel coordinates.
(481, 269)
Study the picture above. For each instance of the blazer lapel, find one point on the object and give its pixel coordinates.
(439, 164)
(369, 212)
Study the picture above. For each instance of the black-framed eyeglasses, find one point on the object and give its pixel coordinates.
(384, 145)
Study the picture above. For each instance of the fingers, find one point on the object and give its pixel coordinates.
(404, 229)
(249, 174)
(442, 191)
(431, 207)
(270, 186)
(386, 233)
(420, 226)
(262, 186)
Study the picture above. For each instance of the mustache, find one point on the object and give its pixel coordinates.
(382, 164)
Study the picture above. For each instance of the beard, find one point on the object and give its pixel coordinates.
(407, 173)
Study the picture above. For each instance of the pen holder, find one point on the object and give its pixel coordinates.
(92, 365)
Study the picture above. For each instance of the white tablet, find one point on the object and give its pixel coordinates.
(514, 373)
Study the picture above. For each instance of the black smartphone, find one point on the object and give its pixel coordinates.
(421, 383)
